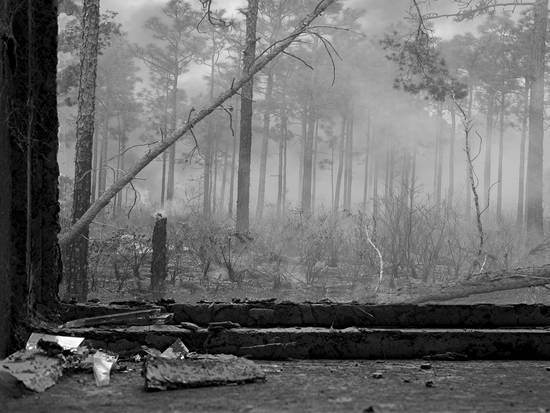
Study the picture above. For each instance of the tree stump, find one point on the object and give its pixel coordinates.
(158, 261)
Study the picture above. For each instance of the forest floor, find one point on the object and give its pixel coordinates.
(319, 386)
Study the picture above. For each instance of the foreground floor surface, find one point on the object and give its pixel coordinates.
(320, 386)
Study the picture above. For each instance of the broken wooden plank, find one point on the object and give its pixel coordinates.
(34, 369)
(140, 317)
(201, 370)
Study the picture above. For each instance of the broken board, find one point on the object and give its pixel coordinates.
(200, 370)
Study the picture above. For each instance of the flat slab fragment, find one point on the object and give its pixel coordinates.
(338, 315)
(201, 370)
(34, 369)
(318, 386)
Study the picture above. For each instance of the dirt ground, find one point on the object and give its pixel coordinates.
(319, 386)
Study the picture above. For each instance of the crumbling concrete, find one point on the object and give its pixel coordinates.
(327, 343)
(337, 315)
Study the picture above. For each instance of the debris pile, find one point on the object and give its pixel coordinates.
(47, 356)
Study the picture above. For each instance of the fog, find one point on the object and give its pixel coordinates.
(385, 98)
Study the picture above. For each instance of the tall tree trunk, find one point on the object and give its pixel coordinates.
(6, 295)
(451, 189)
(367, 156)
(439, 154)
(214, 183)
(301, 155)
(29, 258)
(521, 178)
(207, 196)
(500, 155)
(375, 172)
(164, 132)
(163, 179)
(391, 172)
(243, 183)
(93, 188)
(285, 169)
(104, 150)
(467, 169)
(77, 255)
(282, 139)
(488, 148)
(533, 206)
(412, 188)
(233, 162)
(387, 172)
(117, 207)
(336, 204)
(314, 167)
(308, 157)
(349, 164)
(224, 175)
(265, 145)
(173, 126)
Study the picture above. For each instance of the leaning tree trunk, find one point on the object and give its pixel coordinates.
(533, 207)
(29, 258)
(245, 147)
(486, 282)
(160, 147)
(77, 253)
(158, 259)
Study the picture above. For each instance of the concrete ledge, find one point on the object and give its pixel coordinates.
(326, 343)
(288, 314)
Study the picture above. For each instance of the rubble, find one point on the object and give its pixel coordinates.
(199, 370)
(34, 369)
(134, 318)
(103, 363)
(177, 350)
(67, 343)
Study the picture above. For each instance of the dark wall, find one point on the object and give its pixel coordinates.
(29, 72)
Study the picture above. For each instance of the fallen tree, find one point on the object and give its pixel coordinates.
(264, 58)
(487, 282)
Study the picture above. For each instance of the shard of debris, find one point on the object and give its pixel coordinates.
(34, 369)
(200, 370)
